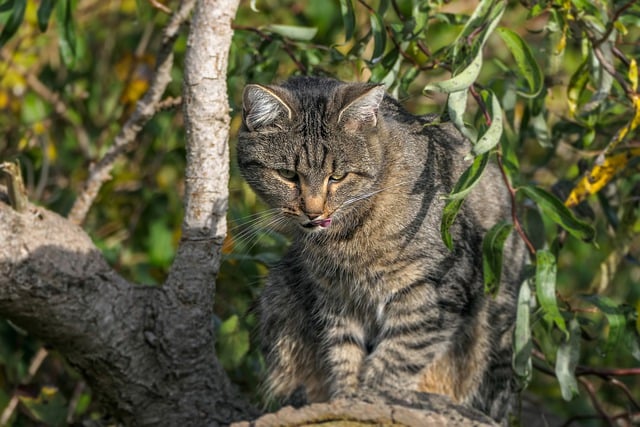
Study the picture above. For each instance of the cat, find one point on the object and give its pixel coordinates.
(368, 299)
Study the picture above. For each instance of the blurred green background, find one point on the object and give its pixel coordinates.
(66, 92)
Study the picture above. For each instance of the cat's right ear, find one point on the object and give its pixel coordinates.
(262, 106)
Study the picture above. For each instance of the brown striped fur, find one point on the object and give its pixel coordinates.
(368, 297)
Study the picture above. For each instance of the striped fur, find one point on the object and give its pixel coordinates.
(368, 297)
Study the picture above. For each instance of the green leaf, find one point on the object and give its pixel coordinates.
(160, 244)
(525, 60)
(233, 342)
(615, 318)
(546, 269)
(44, 13)
(456, 106)
(567, 359)
(469, 177)
(348, 18)
(14, 21)
(293, 32)
(6, 6)
(556, 211)
(523, 345)
(460, 81)
(67, 37)
(49, 407)
(492, 248)
(379, 37)
(449, 214)
(490, 138)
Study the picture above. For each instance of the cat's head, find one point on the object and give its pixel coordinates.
(311, 147)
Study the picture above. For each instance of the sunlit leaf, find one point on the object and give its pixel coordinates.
(633, 74)
(525, 61)
(293, 32)
(15, 19)
(490, 138)
(456, 106)
(600, 175)
(546, 269)
(470, 177)
(556, 211)
(523, 344)
(460, 81)
(492, 248)
(566, 361)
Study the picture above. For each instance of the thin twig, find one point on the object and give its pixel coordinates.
(36, 362)
(514, 211)
(594, 400)
(266, 37)
(145, 109)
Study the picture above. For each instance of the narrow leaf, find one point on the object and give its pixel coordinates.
(44, 13)
(523, 345)
(293, 32)
(67, 37)
(546, 269)
(348, 18)
(527, 65)
(566, 361)
(14, 21)
(451, 209)
(492, 248)
(456, 106)
(615, 318)
(599, 176)
(460, 81)
(470, 177)
(379, 37)
(556, 211)
(491, 136)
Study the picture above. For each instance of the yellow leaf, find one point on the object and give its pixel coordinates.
(599, 176)
(633, 74)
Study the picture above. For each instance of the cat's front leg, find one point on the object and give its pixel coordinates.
(415, 333)
(345, 352)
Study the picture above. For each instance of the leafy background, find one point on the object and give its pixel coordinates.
(548, 88)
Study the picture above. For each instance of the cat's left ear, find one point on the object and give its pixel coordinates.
(361, 104)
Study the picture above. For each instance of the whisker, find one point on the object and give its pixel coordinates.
(372, 193)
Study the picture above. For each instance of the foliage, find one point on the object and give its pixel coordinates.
(548, 89)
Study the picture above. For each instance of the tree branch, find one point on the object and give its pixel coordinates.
(145, 109)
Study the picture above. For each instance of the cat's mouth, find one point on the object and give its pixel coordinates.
(317, 223)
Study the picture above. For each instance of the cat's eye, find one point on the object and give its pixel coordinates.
(287, 174)
(337, 177)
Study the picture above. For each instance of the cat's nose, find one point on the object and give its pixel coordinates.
(313, 216)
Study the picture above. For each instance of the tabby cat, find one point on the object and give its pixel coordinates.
(368, 297)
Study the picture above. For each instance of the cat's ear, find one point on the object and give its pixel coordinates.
(263, 106)
(361, 104)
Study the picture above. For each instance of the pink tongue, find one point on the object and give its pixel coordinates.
(324, 223)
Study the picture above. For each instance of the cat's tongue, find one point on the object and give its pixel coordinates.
(324, 223)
